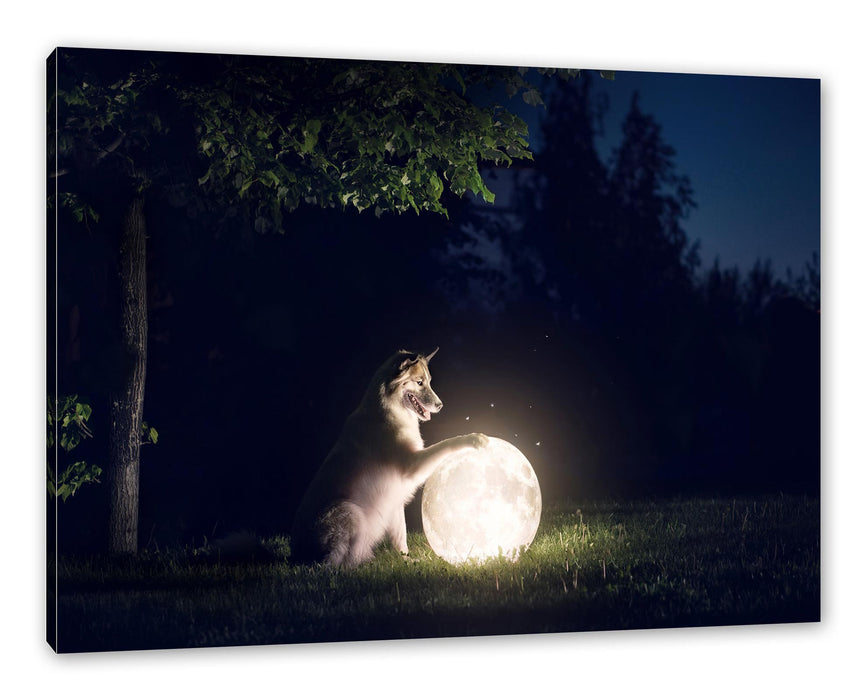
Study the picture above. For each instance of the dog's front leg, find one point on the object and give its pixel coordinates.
(397, 530)
(425, 462)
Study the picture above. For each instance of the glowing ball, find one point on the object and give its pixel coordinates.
(481, 503)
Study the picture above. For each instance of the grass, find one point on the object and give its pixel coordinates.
(594, 566)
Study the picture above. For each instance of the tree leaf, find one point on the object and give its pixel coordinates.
(311, 135)
(533, 98)
(435, 187)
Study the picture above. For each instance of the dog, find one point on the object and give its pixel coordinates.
(358, 496)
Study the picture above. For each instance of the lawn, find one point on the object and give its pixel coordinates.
(603, 565)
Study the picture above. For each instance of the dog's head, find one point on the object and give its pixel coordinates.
(410, 387)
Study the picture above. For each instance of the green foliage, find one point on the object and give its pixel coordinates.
(70, 417)
(270, 134)
(67, 426)
(149, 435)
(96, 124)
(73, 478)
(81, 211)
(386, 136)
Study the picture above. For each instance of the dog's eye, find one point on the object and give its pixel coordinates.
(420, 382)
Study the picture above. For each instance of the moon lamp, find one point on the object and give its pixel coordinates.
(482, 503)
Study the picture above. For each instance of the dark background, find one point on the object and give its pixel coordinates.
(575, 318)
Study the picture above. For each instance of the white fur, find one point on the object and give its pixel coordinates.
(358, 496)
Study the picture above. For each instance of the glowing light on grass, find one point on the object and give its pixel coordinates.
(480, 503)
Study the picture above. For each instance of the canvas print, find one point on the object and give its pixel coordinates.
(347, 350)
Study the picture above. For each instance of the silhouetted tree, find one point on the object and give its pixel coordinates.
(807, 284)
(571, 223)
(652, 201)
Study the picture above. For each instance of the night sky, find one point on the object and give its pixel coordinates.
(751, 148)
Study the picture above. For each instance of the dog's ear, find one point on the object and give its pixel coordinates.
(412, 358)
(409, 360)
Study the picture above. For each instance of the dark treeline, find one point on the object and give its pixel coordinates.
(663, 374)
(574, 318)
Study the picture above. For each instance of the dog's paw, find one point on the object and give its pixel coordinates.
(478, 440)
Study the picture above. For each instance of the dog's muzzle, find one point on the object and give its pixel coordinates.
(417, 406)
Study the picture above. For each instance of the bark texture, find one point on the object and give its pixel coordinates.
(127, 398)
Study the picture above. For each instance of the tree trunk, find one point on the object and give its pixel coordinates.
(127, 397)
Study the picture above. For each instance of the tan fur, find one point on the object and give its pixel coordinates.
(358, 497)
